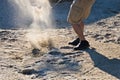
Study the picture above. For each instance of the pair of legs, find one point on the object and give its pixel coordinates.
(79, 10)
(79, 29)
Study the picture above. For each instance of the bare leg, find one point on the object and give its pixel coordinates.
(79, 29)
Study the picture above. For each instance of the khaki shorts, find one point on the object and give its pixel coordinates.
(79, 10)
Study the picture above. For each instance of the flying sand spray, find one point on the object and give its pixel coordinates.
(42, 20)
(35, 15)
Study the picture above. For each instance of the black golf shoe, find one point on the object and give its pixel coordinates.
(83, 45)
(74, 42)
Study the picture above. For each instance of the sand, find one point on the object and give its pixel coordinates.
(100, 62)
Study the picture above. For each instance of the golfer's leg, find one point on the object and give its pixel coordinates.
(79, 29)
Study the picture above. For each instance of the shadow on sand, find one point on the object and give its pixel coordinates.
(111, 66)
(102, 9)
